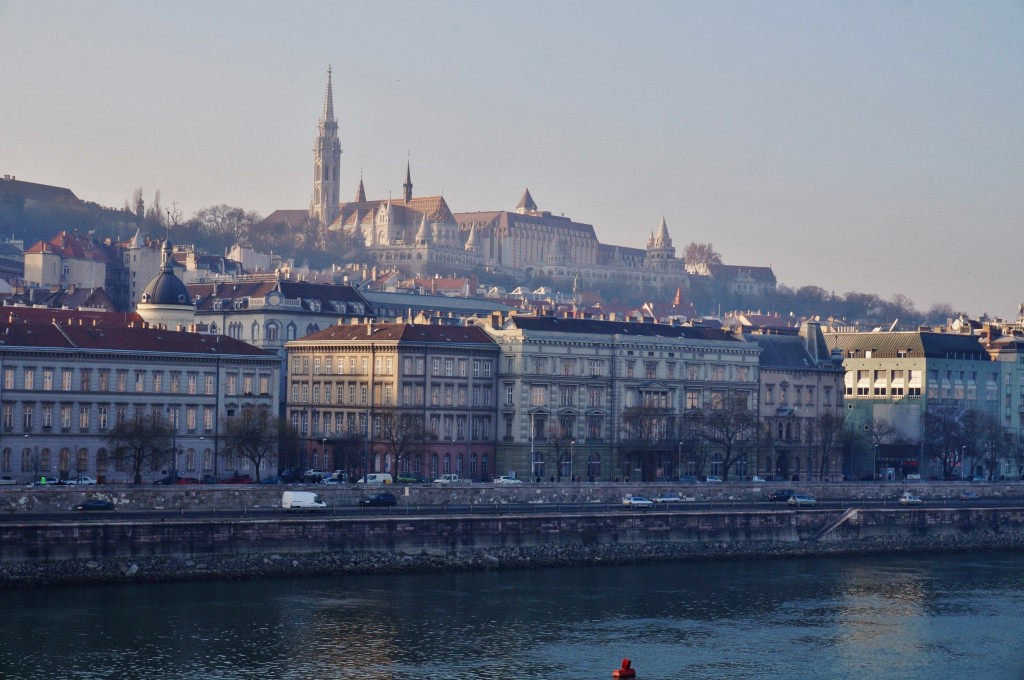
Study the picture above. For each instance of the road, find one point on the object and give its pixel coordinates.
(354, 512)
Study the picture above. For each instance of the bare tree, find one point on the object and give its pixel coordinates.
(730, 430)
(140, 442)
(828, 434)
(1017, 452)
(943, 431)
(254, 436)
(701, 254)
(401, 436)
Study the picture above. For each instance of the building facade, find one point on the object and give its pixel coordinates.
(604, 400)
(411, 398)
(800, 406)
(66, 379)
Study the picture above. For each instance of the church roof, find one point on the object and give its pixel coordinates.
(434, 208)
(500, 222)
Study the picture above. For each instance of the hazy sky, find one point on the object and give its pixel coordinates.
(857, 145)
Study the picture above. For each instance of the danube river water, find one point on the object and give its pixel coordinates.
(950, 616)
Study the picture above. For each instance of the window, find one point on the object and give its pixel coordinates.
(538, 395)
(209, 384)
(435, 367)
(190, 418)
(692, 399)
(9, 378)
(47, 416)
(567, 396)
(104, 381)
(650, 370)
(83, 418)
(27, 418)
(510, 364)
(476, 368)
(48, 379)
(265, 385)
(175, 382)
(629, 369)
(101, 418)
(158, 382)
(140, 381)
(510, 395)
(247, 383)
(449, 367)
(718, 372)
(568, 367)
(65, 380)
(462, 368)
(65, 417)
(208, 418)
(596, 367)
(316, 365)
(232, 384)
(192, 383)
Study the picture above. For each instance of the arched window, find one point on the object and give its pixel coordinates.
(64, 462)
(272, 331)
(213, 328)
(291, 331)
(82, 461)
(6, 461)
(485, 466)
(458, 465)
(447, 463)
(102, 462)
(433, 466)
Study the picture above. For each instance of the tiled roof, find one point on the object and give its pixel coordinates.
(782, 351)
(73, 245)
(403, 332)
(35, 315)
(500, 221)
(324, 293)
(290, 218)
(594, 326)
(44, 193)
(733, 272)
(111, 338)
(434, 303)
(914, 344)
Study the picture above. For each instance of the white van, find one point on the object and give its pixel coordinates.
(302, 500)
(376, 478)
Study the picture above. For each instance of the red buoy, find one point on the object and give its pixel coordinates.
(626, 671)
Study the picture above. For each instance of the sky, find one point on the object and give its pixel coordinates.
(859, 146)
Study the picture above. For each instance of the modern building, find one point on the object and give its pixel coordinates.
(429, 392)
(604, 400)
(894, 378)
(67, 377)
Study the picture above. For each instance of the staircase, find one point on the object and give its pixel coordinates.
(834, 524)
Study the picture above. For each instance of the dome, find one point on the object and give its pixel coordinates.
(166, 288)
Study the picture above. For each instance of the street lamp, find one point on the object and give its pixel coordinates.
(572, 446)
(172, 411)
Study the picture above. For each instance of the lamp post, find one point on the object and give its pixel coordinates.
(572, 448)
(172, 411)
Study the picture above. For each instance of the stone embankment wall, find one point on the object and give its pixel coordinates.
(33, 553)
(15, 499)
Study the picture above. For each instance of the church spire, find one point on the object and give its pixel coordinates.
(361, 192)
(408, 182)
(328, 113)
(326, 161)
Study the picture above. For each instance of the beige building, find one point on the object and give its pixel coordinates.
(427, 391)
(800, 406)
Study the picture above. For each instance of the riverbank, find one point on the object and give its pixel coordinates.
(318, 564)
(67, 553)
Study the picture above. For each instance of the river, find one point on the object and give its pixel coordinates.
(896, 617)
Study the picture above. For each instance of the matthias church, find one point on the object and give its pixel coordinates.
(422, 236)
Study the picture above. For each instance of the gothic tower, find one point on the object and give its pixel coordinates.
(326, 163)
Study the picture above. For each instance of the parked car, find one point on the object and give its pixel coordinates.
(302, 500)
(375, 478)
(94, 504)
(273, 479)
(447, 479)
(781, 495)
(668, 498)
(507, 480)
(910, 499)
(408, 478)
(979, 478)
(758, 478)
(379, 500)
(637, 502)
(81, 479)
(712, 479)
(802, 499)
(913, 477)
(689, 479)
(968, 496)
(188, 480)
(237, 479)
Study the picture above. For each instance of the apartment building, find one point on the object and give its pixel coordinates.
(395, 397)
